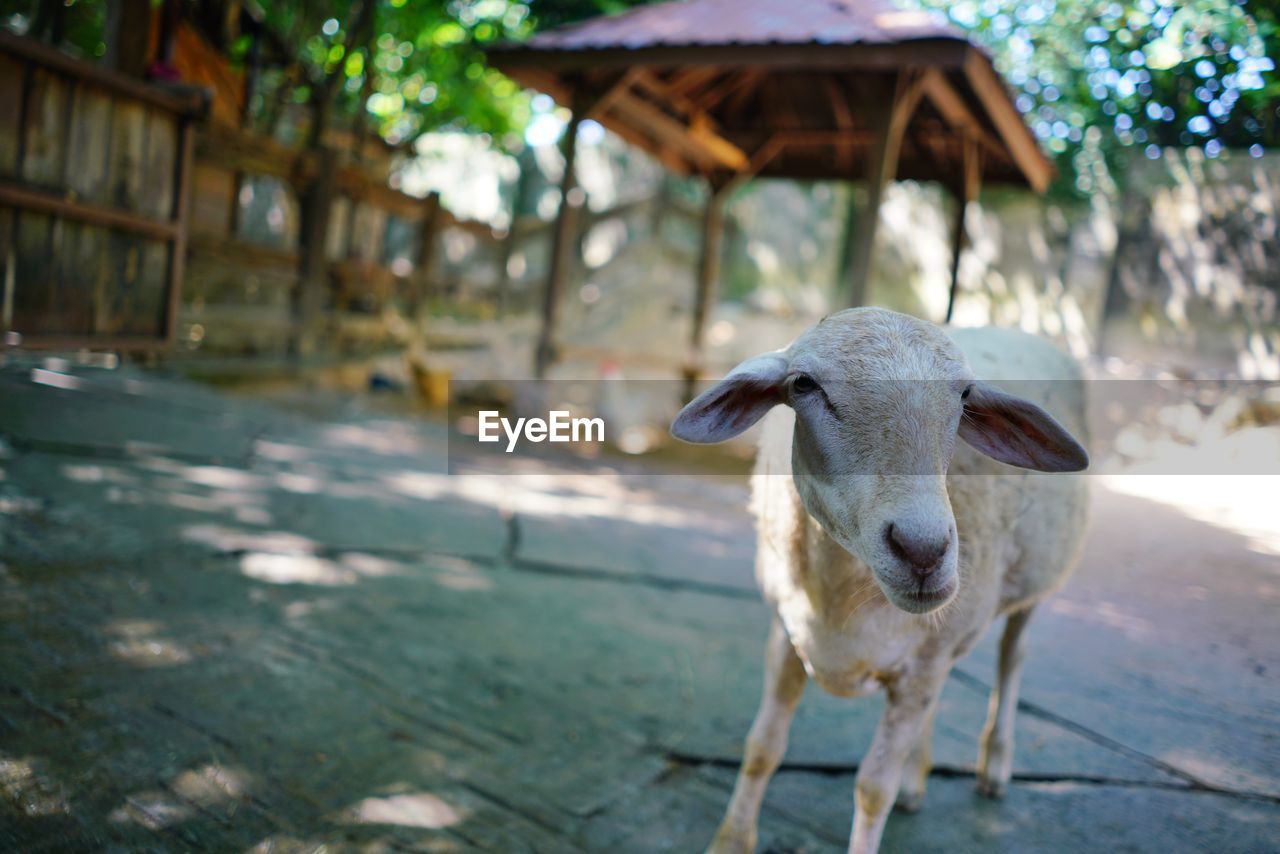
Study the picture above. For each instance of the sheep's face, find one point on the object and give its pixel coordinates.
(879, 399)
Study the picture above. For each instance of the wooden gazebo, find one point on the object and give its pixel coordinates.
(808, 89)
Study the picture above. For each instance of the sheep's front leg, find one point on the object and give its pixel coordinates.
(995, 756)
(915, 776)
(908, 709)
(784, 681)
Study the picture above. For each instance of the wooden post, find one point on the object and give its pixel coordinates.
(180, 216)
(427, 232)
(881, 170)
(527, 164)
(562, 242)
(965, 193)
(705, 296)
(128, 27)
(313, 263)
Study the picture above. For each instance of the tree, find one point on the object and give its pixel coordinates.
(1098, 79)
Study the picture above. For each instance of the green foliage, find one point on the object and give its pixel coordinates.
(425, 60)
(1100, 78)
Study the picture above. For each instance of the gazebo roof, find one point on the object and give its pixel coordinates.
(784, 88)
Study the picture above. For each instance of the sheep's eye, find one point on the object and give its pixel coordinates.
(964, 395)
(803, 383)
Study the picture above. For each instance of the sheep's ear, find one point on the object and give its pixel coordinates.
(1017, 432)
(735, 403)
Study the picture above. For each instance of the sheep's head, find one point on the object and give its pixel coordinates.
(879, 399)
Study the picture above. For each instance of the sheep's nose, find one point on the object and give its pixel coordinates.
(921, 552)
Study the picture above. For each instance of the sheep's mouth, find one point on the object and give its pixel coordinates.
(919, 600)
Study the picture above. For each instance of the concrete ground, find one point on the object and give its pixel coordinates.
(228, 624)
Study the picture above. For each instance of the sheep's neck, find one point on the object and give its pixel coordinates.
(840, 587)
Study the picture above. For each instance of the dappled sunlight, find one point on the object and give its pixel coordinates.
(201, 789)
(137, 642)
(32, 792)
(89, 473)
(295, 569)
(222, 477)
(1242, 504)
(561, 495)
(460, 575)
(153, 810)
(280, 452)
(420, 809)
(380, 437)
(276, 568)
(211, 784)
(224, 539)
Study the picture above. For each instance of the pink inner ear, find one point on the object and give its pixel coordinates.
(1019, 433)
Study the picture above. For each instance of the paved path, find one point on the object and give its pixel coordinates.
(225, 624)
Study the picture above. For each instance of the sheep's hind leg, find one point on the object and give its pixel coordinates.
(995, 755)
(784, 681)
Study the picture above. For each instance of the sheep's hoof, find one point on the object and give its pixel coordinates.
(909, 802)
(992, 788)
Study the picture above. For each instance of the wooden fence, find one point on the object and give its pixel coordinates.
(130, 221)
(94, 174)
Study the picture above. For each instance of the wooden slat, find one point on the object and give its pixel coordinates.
(45, 202)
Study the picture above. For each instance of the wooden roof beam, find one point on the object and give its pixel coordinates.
(701, 145)
(1017, 137)
(740, 84)
(954, 110)
(685, 81)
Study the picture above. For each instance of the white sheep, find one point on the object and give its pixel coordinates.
(885, 547)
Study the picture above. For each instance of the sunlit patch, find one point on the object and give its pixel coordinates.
(233, 540)
(280, 843)
(222, 477)
(1242, 504)
(378, 437)
(252, 516)
(150, 652)
(295, 569)
(30, 791)
(369, 565)
(98, 474)
(137, 644)
(464, 582)
(304, 608)
(299, 483)
(420, 809)
(152, 810)
(279, 451)
(211, 784)
(56, 379)
(14, 505)
(573, 496)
